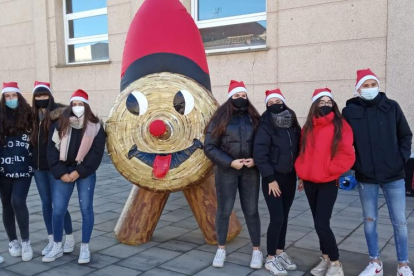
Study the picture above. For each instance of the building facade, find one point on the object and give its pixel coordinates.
(295, 45)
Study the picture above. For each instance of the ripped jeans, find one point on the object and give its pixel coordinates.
(394, 193)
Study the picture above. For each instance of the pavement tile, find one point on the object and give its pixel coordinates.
(148, 259)
(190, 263)
(112, 270)
(160, 272)
(68, 269)
(124, 251)
(178, 246)
(168, 232)
(228, 269)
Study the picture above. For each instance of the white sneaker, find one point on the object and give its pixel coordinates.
(335, 269)
(15, 249)
(85, 254)
(321, 268)
(69, 244)
(48, 247)
(285, 260)
(55, 253)
(274, 267)
(257, 260)
(404, 271)
(373, 269)
(1, 260)
(27, 251)
(219, 258)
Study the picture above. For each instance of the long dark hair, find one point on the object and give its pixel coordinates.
(315, 112)
(225, 112)
(47, 121)
(64, 123)
(15, 122)
(295, 122)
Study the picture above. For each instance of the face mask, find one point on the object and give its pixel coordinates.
(78, 111)
(276, 108)
(369, 93)
(42, 103)
(326, 110)
(239, 102)
(12, 103)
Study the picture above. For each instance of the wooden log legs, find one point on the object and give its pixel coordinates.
(140, 216)
(203, 202)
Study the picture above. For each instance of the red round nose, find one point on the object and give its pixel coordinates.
(157, 128)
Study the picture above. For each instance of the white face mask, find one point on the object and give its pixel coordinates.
(369, 93)
(78, 111)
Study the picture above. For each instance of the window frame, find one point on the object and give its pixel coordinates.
(226, 21)
(85, 39)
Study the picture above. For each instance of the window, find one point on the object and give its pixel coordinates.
(86, 31)
(231, 24)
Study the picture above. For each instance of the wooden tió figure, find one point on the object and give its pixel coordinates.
(156, 126)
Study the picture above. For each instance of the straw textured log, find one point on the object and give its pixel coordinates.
(140, 216)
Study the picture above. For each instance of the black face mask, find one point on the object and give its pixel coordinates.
(276, 108)
(325, 110)
(42, 103)
(239, 102)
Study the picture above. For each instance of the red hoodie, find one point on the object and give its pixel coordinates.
(315, 164)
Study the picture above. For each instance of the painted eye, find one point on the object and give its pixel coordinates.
(137, 103)
(183, 102)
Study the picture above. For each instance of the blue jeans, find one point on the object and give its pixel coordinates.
(44, 182)
(61, 196)
(394, 193)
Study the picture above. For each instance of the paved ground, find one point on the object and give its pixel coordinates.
(178, 247)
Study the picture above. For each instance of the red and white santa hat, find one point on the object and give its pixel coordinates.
(236, 87)
(40, 84)
(363, 75)
(276, 93)
(10, 87)
(320, 92)
(80, 95)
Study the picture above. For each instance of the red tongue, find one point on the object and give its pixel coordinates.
(161, 165)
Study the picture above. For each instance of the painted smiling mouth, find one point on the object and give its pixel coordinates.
(162, 163)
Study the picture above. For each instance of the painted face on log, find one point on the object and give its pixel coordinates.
(155, 132)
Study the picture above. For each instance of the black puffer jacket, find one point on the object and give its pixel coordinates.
(382, 139)
(40, 150)
(275, 148)
(236, 143)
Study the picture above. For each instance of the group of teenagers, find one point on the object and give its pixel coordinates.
(61, 146)
(371, 136)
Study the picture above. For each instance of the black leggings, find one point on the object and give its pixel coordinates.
(322, 197)
(279, 208)
(13, 198)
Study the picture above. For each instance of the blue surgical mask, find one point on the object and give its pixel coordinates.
(369, 93)
(12, 103)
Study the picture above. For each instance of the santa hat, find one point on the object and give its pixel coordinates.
(363, 75)
(80, 95)
(39, 84)
(321, 92)
(163, 37)
(236, 87)
(10, 87)
(274, 94)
